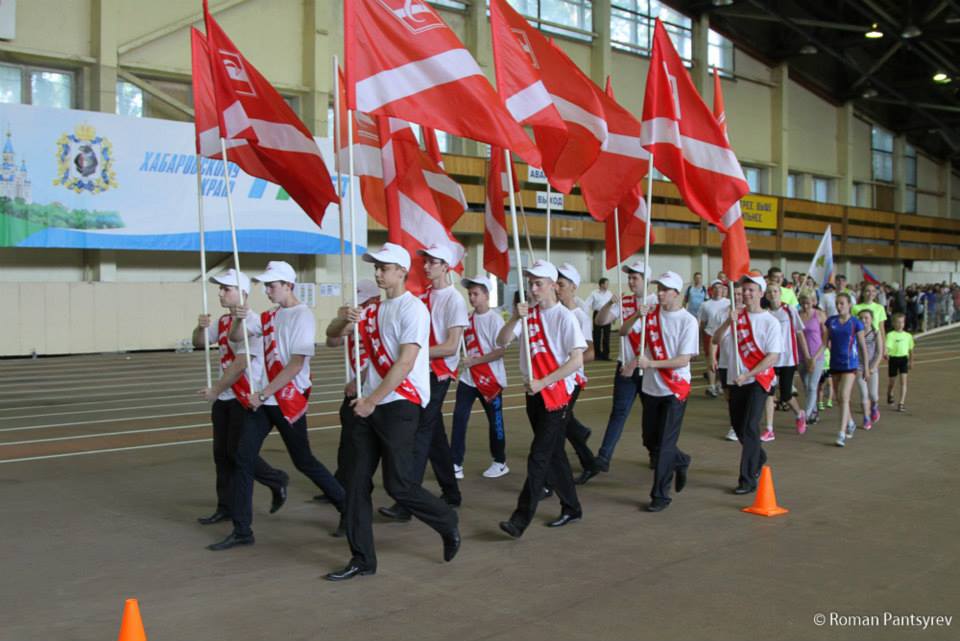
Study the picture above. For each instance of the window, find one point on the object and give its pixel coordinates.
(450, 4)
(882, 154)
(821, 189)
(910, 178)
(129, 99)
(791, 185)
(863, 195)
(754, 177)
(576, 14)
(35, 86)
(719, 52)
(632, 21)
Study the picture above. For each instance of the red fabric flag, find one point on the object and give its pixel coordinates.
(367, 163)
(633, 218)
(496, 240)
(249, 108)
(734, 250)
(402, 60)
(685, 139)
(413, 218)
(622, 164)
(543, 88)
(446, 191)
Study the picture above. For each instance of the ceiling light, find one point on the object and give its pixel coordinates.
(869, 93)
(809, 50)
(941, 78)
(874, 32)
(911, 31)
(722, 3)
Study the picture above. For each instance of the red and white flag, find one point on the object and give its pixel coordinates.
(543, 88)
(633, 218)
(496, 240)
(402, 60)
(249, 108)
(367, 163)
(687, 143)
(446, 190)
(413, 218)
(734, 250)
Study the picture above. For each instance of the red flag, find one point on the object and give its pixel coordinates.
(685, 139)
(446, 191)
(622, 164)
(496, 246)
(633, 217)
(367, 163)
(543, 88)
(734, 250)
(413, 218)
(402, 60)
(249, 108)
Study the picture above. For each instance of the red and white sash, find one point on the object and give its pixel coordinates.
(676, 383)
(292, 402)
(438, 366)
(351, 347)
(793, 331)
(483, 377)
(240, 387)
(372, 343)
(629, 305)
(555, 396)
(750, 352)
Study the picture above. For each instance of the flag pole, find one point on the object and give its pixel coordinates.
(203, 271)
(646, 252)
(549, 209)
(526, 231)
(336, 167)
(236, 259)
(616, 222)
(353, 247)
(516, 246)
(733, 330)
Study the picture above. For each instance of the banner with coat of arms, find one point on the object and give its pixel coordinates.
(90, 180)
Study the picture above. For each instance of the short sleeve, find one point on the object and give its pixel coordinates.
(572, 334)
(213, 333)
(455, 311)
(690, 338)
(303, 334)
(254, 325)
(416, 325)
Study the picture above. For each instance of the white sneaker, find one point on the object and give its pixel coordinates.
(841, 439)
(496, 470)
(851, 428)
(458, 471)
(732, 435)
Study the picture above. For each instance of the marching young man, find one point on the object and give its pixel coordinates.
(288, 334)
(556, 353)
(483, 377)
(577, 432)
(229, 398)
(396, 387)
(750, 374)
(672, 339)
(712, 313)
(724, 341)
(448, 318)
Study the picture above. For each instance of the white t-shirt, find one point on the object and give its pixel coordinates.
(680, 332)
(586, 328)
(767, 336)
(403, 320)
(598, 299)
(447, 309)
(650, 300)
(786, 356)
(829, 303)
(563, 335)
(295, 331)
(723, 352)
(713, 312)
(256, 358)
(487, 326)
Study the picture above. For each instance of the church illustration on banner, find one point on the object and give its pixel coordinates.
(14, 181)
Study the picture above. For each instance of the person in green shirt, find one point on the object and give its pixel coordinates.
(869, 302)
(787, 295)
(900, 356)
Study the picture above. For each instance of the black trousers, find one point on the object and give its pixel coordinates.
(747, 404)
(431, 443)
(547, 463)
(601, 340)
(387, 435)
(662, 420)
(577, 434)
(227, 420)
(344, 455)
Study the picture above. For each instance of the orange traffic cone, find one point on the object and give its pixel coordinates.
(131, 627)
(766, 502)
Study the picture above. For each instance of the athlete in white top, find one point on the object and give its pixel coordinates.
(794, 347)
(711, 315)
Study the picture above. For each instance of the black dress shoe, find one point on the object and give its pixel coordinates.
(657, 505)
(232, 541)
(510, 528)
(279, 498)
(744, 489)
(395, 512)
(565, 519)
(216, 517)
(451, 544)
(348, 572)
(587, 474)
(547, 492)
(680, 481)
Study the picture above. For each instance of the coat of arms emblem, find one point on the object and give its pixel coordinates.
(85, 161)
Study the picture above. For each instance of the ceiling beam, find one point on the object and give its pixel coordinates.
(875, 67)
(172, 27)
(807, 22)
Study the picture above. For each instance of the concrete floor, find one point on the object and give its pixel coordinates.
(105, 464)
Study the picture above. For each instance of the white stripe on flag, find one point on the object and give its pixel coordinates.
(577, 114)
(497, 233)
(732, 216)
(698, 153)
(622, 145)
(641, 211)
(406, 80)
(528, 101)
(420, 224)
(388, 163)
(445, 185)
(366, 160)
(210, 142)
(270, 135)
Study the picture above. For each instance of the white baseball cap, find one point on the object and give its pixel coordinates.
(541, 269)
(756, 278)
(367, 289)
(569, 272)
(717, 281)
(670, 280)
(636, 267)
(389, 253)
(482, 281)
(277, 270)
(229, 278)
(441, 252)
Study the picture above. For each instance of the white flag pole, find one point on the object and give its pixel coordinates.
(616, 222)
(353, 248)
(646, 252)
(336, 165)
(549, 209)
(526, 231)
(203, 271)
(236, 260)
(733, 331)
(516, 246)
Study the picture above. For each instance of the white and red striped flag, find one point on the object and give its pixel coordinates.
(367, 161)
(496, 247)
(249, 108)
(687, 143)
(543, 88)
(446, 191)
(402, 60)
(734, 250)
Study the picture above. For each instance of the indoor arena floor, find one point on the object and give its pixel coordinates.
(105, 463)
